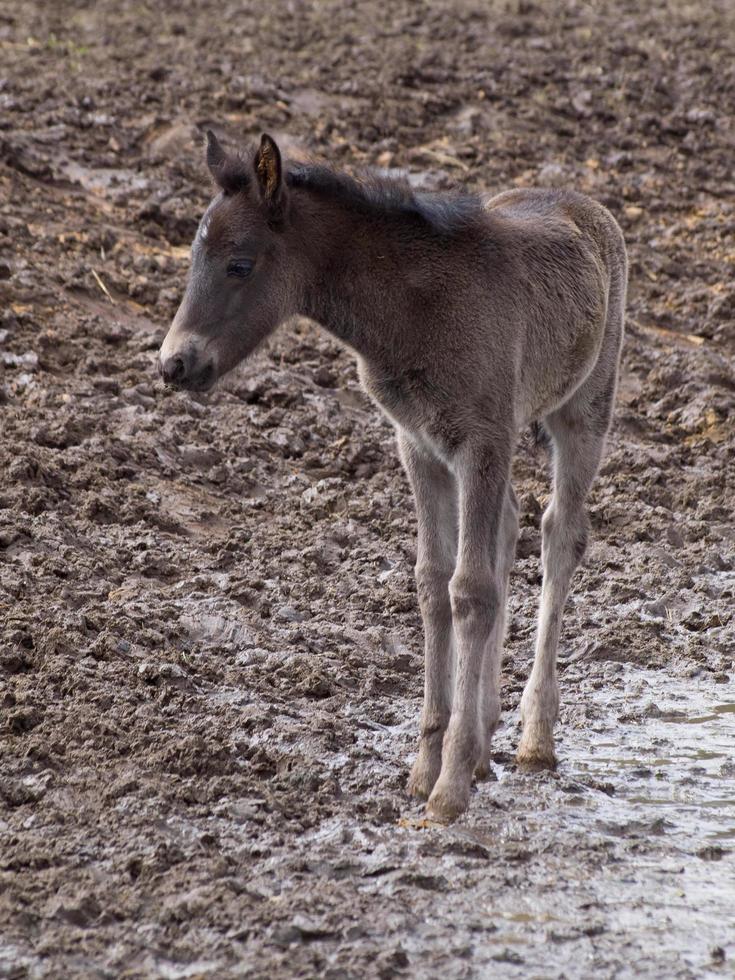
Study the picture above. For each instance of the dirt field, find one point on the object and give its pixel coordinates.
(210, 647)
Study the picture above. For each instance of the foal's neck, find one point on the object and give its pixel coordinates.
(362, 269)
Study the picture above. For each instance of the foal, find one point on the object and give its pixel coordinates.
(469, 321)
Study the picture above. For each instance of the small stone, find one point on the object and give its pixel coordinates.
(552, 175)
(108, 385)
(134, 397)
(674, 537)
(287, 614)
(508, 956)
(311, 928)
(656, 609)
(19, 792)
(199, 456)
(324, 498)
(29, 361)
(325, 377)
(284, 935)
(288, 442)
(23, 720)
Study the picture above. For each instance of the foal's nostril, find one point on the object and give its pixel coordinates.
(178, 370)
(173, 369)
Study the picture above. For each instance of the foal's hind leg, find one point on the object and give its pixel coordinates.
(490, 704)
(436, 555)
(578, 432)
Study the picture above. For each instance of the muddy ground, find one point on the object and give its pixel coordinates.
(210, 668)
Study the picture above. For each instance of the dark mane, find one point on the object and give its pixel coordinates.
(388, 198)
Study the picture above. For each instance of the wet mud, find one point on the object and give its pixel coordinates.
(210, 647)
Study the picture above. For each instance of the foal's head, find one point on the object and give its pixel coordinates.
(241, 284)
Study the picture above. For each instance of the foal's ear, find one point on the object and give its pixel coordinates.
(228, 171)
(268, 171)
(216, 155)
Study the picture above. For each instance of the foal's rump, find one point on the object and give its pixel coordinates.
(570, 268)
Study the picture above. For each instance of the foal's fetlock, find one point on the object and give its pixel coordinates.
(426, 768)
(536, 748)
(484, 769)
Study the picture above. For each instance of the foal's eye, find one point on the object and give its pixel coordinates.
(241, 269)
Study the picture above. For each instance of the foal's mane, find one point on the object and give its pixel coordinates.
(388, 198)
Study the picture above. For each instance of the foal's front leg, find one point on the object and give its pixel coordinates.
(436, 554)
(475, 595)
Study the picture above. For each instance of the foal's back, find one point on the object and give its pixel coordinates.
(544, 209)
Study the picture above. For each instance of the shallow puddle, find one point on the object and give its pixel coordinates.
(678, 756)
(625, 857)
(650, 784)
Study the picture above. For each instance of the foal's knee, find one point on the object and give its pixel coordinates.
(475, 601)
(432, 586)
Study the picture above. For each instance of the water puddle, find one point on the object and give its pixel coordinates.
(667, 745)
(650, 784)
(630, 846)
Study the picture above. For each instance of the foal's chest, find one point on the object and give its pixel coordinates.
(411, 404)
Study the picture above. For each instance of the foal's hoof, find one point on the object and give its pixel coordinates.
(536, 749)
(422, 779)
(483, 771)
(447, 802)
(535, 762)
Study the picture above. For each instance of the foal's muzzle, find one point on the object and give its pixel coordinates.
(182, 371)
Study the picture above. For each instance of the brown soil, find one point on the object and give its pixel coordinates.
(210, 649)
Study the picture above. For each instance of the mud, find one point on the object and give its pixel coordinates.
(210, 659)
